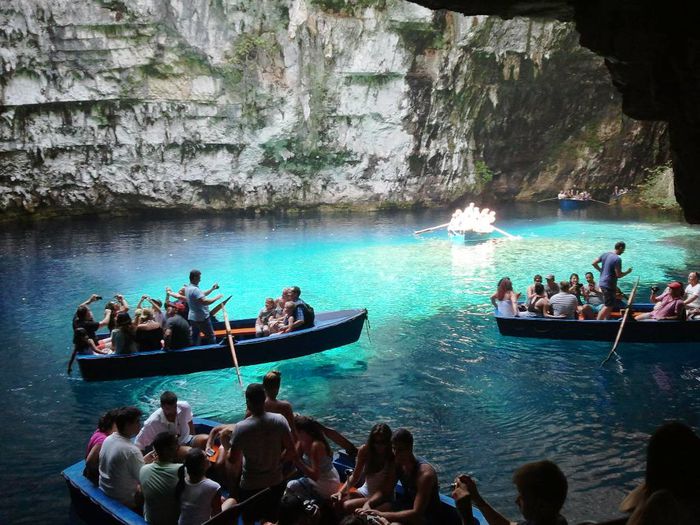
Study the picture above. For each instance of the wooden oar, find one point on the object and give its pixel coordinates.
(622, 324)
(505, 233)
(418, 232)
(599, 202)
(550, 199)
(231, 346)
(219, 306)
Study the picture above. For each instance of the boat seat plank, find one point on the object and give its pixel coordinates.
(235, 331)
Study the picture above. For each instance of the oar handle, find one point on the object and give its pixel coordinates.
(231, 346)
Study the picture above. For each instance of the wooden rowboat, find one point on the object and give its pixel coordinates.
(96, 508)
(634, 332)
(573, 204)
(330, 330)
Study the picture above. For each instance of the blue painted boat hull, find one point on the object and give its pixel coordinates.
(331, 330)
(95, 508)
(573, 204)
(634, 332)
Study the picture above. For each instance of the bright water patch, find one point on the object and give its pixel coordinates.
(477, 402)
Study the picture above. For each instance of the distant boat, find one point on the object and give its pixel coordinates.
(593, 330)
(330, 330)
(96, 508)
(472, 237)
(573, 204)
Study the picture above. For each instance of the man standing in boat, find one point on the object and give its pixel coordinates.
(198, 302)
(610, 267)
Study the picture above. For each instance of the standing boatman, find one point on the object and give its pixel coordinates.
(610, 267)
(198, 302)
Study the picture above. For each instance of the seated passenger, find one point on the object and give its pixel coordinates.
(692, 296)
(537, 304)
(542, 489)
(105, 426)
(158, 482)
(120, 460)
(593, 294)
(83, 345)
(177, 330)
(505, 300)
(200, 497)
(304, 314)
(148, 333)
(620, 300)
(420, 500)
(575, 288)
(319, 478)
(563, 304)
(287, 322)
(156, 308)
(123, 341)
(262, 323)
(375, 464)
(551, 287)
(671, 489)
(175, 417)
(670, 304)
(531, 289)
(83, 318)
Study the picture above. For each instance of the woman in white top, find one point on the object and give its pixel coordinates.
(375, 463)
(505, 300)
(200, 497)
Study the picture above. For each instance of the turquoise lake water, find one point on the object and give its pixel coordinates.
(477, 402)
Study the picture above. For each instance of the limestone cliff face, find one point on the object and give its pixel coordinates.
(232, 104)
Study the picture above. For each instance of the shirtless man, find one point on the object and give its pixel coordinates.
(420, 501)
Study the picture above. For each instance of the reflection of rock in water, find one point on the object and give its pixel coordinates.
(580, 214)
(689, 242)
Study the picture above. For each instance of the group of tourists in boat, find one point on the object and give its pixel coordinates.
(172, 475)
(472, 219)
(572, 299)
(573, 193)
(186, 321)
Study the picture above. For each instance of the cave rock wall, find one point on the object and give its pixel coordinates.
(232, 104)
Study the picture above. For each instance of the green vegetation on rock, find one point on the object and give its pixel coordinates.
(484, 175)
(658, 189)
(295, 157)
(418, 36)
(348, 7)
(371, 79)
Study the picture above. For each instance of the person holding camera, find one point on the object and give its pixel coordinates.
(610, 267)
(670, 305)
(83, 318)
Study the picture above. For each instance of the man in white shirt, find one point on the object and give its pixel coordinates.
(174, 417)
(121, 460)
(692, 296)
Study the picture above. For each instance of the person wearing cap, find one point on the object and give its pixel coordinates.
(609, 265)
(123, 341)
(199, 302)
(551, 287)
(670, 304)
(177, 329)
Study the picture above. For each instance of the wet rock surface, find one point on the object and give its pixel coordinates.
(233, 105)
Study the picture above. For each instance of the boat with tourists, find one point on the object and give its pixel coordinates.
(667, 331)
(330, 330)
(471, 226)
(96, 508)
